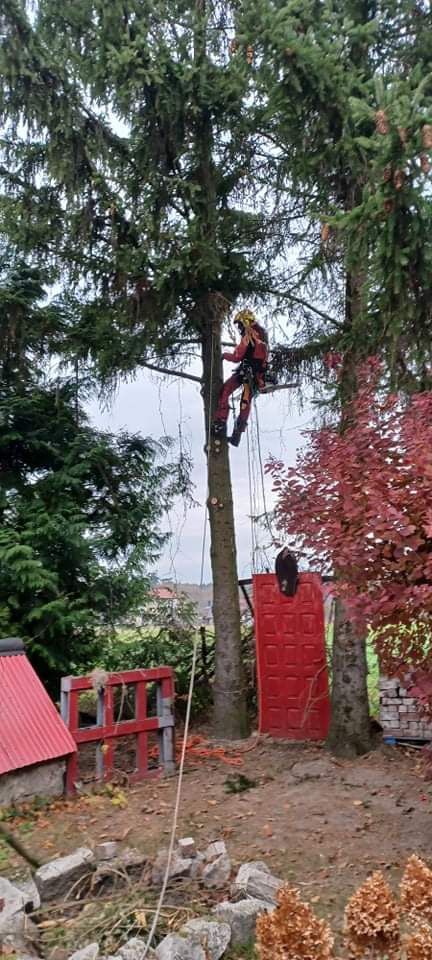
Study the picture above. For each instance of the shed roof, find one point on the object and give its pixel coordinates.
(31, 730)
(164, 593)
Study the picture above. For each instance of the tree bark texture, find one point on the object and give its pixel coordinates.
(230, 712)
(350, 729)
(350, 732)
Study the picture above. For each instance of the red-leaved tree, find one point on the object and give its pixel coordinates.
(359, 504)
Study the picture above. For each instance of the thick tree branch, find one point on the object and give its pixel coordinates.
(16, 845)
(170, 373)
(304, 303)
(280, 386)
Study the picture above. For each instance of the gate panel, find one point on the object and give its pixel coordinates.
(291, 660)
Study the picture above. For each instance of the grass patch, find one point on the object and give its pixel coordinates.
(113, 921)
(373, 678)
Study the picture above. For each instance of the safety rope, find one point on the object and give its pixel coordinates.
(176, 806)
(251, 512)
(176, 812)
(257, 495)
(266, 513)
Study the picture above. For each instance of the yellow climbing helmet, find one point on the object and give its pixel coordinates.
(246, 317)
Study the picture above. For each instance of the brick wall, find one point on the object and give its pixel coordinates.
(398, 714)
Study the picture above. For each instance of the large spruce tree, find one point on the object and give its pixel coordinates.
(133, 168)
(344, 95)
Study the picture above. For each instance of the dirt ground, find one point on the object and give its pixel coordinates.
(323, 825)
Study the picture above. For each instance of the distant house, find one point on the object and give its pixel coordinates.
(164, 602)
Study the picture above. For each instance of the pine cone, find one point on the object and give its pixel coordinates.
(387, 173)
(233, 46)
(382, 124)
(425, 163)
(388, 205)
(398, 179)
(427, 136)
(249, 54)
(403, 135)
(325, 232)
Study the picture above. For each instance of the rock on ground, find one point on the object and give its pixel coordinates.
(18, 934)
(215, 850)
(213, 936)
(31, 894)
(91, 952)
(217, 873)
(55, 878)
(241, 917)
(132, 950)
(197, 867)
(312, 769)
(186, 847)
(107, 850)
(174, 947)
(17, 931)
(255, 880)
(12, 899)
(179, 867)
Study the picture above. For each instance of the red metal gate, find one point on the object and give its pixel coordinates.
(291, 659)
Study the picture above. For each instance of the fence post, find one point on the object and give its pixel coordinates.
(165, 708)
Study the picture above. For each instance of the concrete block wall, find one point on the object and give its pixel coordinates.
(40, 780)
(399, 716)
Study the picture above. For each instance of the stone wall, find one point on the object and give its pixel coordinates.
(399, 716)
(40, 780)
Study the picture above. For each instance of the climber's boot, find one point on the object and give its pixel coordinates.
(239, 428)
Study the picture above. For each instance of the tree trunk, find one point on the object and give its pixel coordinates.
(230, 712)
(350, 732)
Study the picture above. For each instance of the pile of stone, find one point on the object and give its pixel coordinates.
(399, 716)
(231, 923)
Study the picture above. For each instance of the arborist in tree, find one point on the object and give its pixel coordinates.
(252, 352)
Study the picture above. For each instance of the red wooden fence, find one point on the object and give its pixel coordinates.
(107, 729)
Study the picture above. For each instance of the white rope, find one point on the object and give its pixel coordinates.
(266, 514)
(251, 508)
(158, 910)
(176, 807)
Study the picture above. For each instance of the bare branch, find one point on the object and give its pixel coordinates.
(170, 373)
(271, 388)
(304, 303)
(16, 845)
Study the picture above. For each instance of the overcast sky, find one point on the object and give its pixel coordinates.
(155, 407)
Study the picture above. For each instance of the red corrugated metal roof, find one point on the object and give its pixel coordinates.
(31, 730)
(164, 593)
